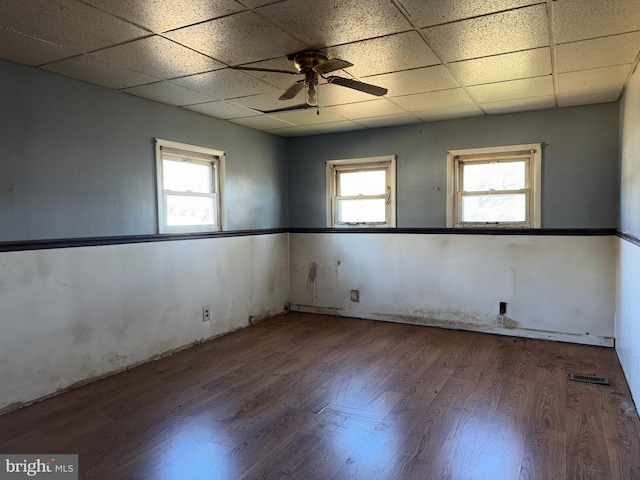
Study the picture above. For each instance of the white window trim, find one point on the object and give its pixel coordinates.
(455, 157)
(218, 157)
(333, 165)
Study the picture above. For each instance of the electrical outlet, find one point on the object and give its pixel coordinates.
(355, 295)
(206, 313)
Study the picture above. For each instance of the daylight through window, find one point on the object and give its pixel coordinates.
(361, 192)
(189, 187)
(494, 187)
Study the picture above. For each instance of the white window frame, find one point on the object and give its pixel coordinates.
(531, 152)
(387, 162)
(197, 154)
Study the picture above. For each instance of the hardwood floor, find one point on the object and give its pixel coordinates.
(317, 397)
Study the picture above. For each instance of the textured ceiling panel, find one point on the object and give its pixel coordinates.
(279, 80)
(308, 117)
(354, 111)
(499, 68)
(68, 23)
(509, 106)
(225, 84)
(402, 51)
(586, 98)
(262, 122)
(389, 120)
(582, 19)
(345, 126)
(434, 100)
(512, 90)
(21, 48)
(607, 78)
(168, 93)
(600, 52)
(222, 109)
(158, 57)
(333, 22)
(414, 81)
(96, 71)
(449, 113)
(240, 38)
(434, 12)
(511, 31)
(162, 15)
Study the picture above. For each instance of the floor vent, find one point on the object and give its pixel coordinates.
(589, 379)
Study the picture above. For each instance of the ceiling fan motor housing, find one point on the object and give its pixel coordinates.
(305, 61)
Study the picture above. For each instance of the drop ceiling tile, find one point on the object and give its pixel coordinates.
(268, 101)
(166, 92)
(401, 51)
(334, 127)
(96, 71)
(334, 22)
(237, 39)
(158, 57)
(607, 78)
(511, 90)
(583, 19)
(290, 131)
(600, 52)
(68, 23)
(505, 32)
(225, 84)
(308, 117)
(261, 122)
(389, 120)
(587, 98)
(520, 105)
(427, 13)
(222, 109)
(464, 111)
(434, 100)
(419, 80)
(28, 50)
(499, 68)
(331, 94)
(372, 108)
(162, 15)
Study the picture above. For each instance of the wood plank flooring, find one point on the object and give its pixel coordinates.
(318, 397)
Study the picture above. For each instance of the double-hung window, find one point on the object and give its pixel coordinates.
(190, 184)
(494, 187)
(361, 192)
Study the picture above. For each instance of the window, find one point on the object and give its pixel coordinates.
(494, 187)
(361, 192)
(190, 187)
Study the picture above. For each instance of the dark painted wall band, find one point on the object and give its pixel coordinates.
(122, 240)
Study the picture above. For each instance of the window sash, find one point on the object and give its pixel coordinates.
(338, 198)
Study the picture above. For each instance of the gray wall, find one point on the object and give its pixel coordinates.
(579, 164)
(77, 160)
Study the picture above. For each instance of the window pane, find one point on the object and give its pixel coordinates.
(362, 210)
(187, 177)
(183, 210)
(369, 182)
(494, 208)
(493, 176)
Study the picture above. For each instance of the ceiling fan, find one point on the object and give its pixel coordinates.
(313, 64)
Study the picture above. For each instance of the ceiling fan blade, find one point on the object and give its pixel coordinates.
(292, 91)
(331, 65)
(360, 86)
(255, 69)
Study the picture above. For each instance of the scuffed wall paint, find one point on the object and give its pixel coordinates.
(556, 287)
(67, 315)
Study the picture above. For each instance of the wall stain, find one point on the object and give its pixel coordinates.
(312, 284)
